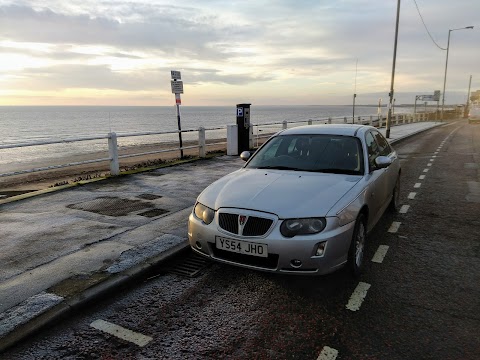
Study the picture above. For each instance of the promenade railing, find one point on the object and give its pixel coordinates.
(259, 132)
(114, 156)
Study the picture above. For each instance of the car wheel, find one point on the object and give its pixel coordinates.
(395, 202)
(357, 246)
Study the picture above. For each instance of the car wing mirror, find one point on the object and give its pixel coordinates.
(381, 162)
(245, 155)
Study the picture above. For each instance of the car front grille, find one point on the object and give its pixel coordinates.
(255, 226)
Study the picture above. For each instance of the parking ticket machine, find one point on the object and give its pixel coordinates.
(243, 126)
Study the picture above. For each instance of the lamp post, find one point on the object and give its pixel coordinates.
(446, 63)
(390, 94)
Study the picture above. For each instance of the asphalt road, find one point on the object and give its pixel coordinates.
(420, 301)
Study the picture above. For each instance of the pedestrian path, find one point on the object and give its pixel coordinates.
(66, 247)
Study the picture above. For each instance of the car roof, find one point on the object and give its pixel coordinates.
(329, 129)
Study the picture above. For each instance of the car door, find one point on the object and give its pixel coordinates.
(391, 172)
(377, 188)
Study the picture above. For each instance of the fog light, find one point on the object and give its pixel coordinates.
(296, 263)
(198, 245)
(321, 249)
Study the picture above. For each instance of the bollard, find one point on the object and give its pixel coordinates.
(310, 122)
(345, 119)
(201, 142)
(371, 120)
(113, 153)
(232, 140)
(329, 120)
(284, 124)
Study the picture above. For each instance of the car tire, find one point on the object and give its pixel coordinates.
(395, 202)
(356, 252)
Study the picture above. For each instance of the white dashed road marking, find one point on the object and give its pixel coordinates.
(328, 353)
(120, 332)
(358, 296)
(404, 209)
(411, 196)
(417, 185)
(394, 227)
(425, 170)
(380, 254)
(429, 164)
(421, 177)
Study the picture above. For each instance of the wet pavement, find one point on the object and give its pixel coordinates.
(64, 248)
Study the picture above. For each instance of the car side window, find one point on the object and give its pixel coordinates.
(384, 146)
(373, 150)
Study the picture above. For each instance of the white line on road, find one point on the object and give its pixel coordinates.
(422, 177)
(404, 209)
(328, 353)
(380, 254)
(432, 159)
(394, 227)
(429, 164)
(358, 296)
(425, 170)
(411, 196)
(120, 332)
(417, 185)
(436, 152)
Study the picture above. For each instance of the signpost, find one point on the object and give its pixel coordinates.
(425, 98)
(177, 89)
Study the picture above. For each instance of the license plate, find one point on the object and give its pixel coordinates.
(241, 247)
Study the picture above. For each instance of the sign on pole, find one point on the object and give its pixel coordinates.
(176, 75)
(436, 95)
(177, 89)
(177, 86)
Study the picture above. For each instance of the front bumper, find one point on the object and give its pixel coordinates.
(282, 252)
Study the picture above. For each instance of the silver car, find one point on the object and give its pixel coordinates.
(302, 204)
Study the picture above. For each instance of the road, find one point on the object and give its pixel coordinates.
(418, 299)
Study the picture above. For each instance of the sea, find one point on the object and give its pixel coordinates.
(26, 124)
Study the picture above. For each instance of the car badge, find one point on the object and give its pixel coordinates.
(242, 219)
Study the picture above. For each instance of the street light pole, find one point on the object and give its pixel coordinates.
(467, 105)
(389, 114)
(446, 64)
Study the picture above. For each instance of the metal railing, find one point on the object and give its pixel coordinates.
(267, 129)
(113, 149)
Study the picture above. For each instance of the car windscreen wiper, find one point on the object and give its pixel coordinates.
(336, 171)
(280, 168)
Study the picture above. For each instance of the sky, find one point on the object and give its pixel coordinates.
(266, 52)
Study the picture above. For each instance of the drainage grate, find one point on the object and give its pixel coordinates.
(154, 212)
(111, 206)
(149, 196)
(189, 265)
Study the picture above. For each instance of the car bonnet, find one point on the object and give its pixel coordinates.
(288, 194)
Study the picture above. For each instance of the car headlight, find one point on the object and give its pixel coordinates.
(204, 213)
(293, 227)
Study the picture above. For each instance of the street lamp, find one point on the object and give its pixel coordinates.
(446, 63)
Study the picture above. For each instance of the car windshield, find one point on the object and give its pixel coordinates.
(315, 153)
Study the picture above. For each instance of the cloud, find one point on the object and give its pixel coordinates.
(236, 46)
(159, 32)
